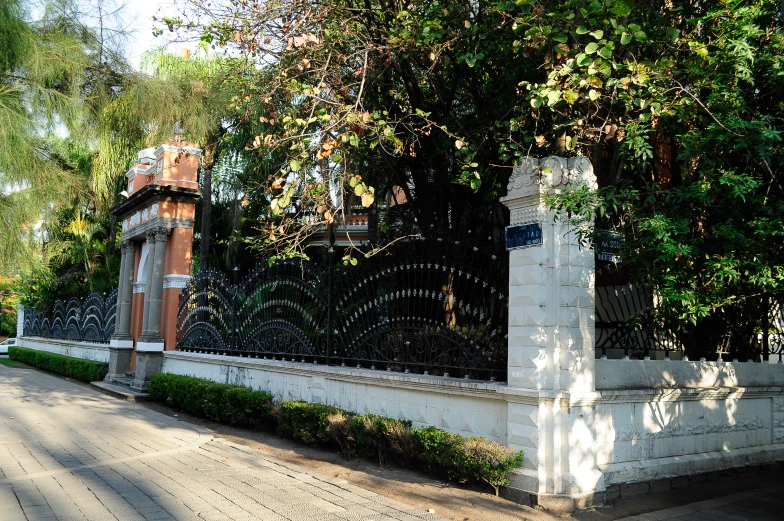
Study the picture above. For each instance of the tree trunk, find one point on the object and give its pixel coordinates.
(112, 239)
(209, 157)
(373, 224)
(206, 217)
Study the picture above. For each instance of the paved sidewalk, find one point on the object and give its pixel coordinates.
(762, 504)
(69, 453)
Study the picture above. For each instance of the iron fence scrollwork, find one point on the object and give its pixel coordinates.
(628, 325)
(89, 320)
(427, 305)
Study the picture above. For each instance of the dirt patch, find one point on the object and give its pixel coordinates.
(452, 502)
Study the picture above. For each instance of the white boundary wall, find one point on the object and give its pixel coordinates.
(614, 436)
(469, 408)
(85, 350)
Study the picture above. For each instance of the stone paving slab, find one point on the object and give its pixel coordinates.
(761, 504)
(70, 453)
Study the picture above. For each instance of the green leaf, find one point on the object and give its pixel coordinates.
(475, 184)
(593, 94)
(598, 34)
(552, 97)
(606, 53)
(582, 30)
(591, 48)
(582, 59)
(570, 96)
(625, 38)
(295, 165)
(536, 103)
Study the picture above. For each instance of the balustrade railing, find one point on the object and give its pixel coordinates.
(89, 320)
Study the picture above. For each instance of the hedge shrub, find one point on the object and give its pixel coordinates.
(77, 368)
(304, 421)
(490, 462)
(224, 403)
(442, 453)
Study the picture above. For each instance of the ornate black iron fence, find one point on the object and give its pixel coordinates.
(428, 305)
(627, 325)
(89, 320)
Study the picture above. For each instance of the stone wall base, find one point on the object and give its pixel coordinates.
(566, 504)
(148, 364)
(119, 362)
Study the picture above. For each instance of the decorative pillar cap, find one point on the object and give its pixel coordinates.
(146, 156)
(535, 176)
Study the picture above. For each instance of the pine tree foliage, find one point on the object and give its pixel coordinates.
(54, 74)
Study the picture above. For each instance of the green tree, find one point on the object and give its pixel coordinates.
(358, 97)
(54, 74)
(678, 105)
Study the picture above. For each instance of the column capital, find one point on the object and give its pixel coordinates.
(127, 246)
(535, 178)
(161, 233)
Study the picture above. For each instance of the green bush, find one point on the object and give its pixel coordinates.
(378, 436)
(306, 421)
(224, 403)
(491, 462)
(446, 454)
(77, 368)
(443, 452)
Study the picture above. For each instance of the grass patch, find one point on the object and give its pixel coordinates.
(10, 363)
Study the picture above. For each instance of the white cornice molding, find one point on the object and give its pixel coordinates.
(135, 170)
(171, 148)
(175, 281)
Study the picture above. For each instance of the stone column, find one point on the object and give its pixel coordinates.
(122, 330)
(551, 335)
(120, 282)
(149, 348)
(127, 291)
(121, 343)
(148, 280)
(152, 313)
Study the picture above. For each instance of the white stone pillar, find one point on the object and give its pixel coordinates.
(551, 330)
(20, 309)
